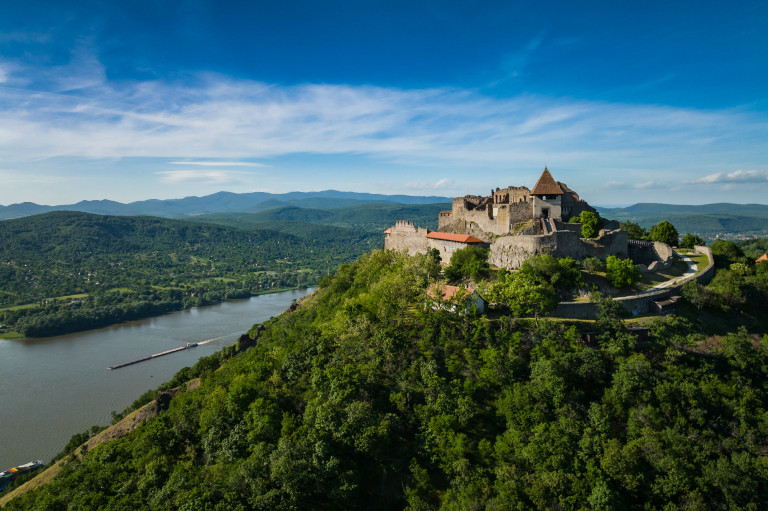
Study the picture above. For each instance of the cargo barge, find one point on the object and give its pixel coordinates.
(150, 357)
(11, 474)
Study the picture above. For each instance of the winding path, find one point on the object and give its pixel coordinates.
(690, 272)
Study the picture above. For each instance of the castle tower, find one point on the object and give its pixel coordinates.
(547, 197)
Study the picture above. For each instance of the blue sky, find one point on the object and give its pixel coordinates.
(624, 101)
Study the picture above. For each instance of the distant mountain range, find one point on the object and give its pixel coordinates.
(221, 202)
(371, 211)
(707, 220)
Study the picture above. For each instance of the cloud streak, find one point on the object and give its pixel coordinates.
(208, 177)
(736, 177)
(213, 124)
(218, 163)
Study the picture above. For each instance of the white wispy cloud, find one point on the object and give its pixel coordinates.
(216, 121)
(218, 163)
(736, 177)
(211, 177)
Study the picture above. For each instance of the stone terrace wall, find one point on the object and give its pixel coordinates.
(511, 251)
(637, 304)
(447, 248)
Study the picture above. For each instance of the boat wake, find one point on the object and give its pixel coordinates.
(211, 340)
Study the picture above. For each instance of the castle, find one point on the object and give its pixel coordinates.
(515, 223)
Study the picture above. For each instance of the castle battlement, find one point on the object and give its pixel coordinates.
(515, 222)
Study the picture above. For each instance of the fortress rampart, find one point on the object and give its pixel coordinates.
(516, 223)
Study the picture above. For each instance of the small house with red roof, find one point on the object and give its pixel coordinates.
(440, 294)
(762, 258)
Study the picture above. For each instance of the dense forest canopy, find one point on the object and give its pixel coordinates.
(365, 398)
(67, 271)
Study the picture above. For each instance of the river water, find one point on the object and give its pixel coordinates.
(52, 388)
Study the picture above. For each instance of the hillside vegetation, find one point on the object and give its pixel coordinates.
(67, 271)
(363, 398)
(707, 220)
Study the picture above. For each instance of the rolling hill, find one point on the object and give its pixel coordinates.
(723, 220)
(221, 202)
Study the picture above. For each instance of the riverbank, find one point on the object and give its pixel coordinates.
(56, 386)
(83, 320)
(118, 430)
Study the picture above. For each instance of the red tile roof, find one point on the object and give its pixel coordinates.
(449, 236)
(546, 185)
(763, 257)
(388, 231)
(448, 291)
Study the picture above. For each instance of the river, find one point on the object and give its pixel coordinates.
(54, 387)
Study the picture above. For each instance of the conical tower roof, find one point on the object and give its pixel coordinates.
(546, 185)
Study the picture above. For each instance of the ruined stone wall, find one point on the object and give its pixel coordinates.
(444, 219)
(497, 219)
(406, 236)
(447, 248)
(518, 194)
(615, 243)
(565, 226)
(511, 251)
(651, 253)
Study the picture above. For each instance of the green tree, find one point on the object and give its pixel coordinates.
(590, 224)
(621, 272)
(468, 262)
(726, 252)
(691, 240)
(664, 232)
(634, 230)
(699, 296)
(593, 264)
(524, 293)
(561, 273)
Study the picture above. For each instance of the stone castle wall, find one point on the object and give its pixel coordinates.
(496, 219)
(446, 248)
(406, 236)
(511, 251)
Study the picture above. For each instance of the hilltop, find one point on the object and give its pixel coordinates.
(221, 202)
(362, 397)
(710, 221)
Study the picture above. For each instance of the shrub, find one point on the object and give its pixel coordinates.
(593, 264)
(468, 262)
(664, 232)
(690, 241)
(621, 272)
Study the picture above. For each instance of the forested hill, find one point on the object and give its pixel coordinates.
(363, 398)
(368, 217)
(66, 271)
(707, 220)
(221, 202)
